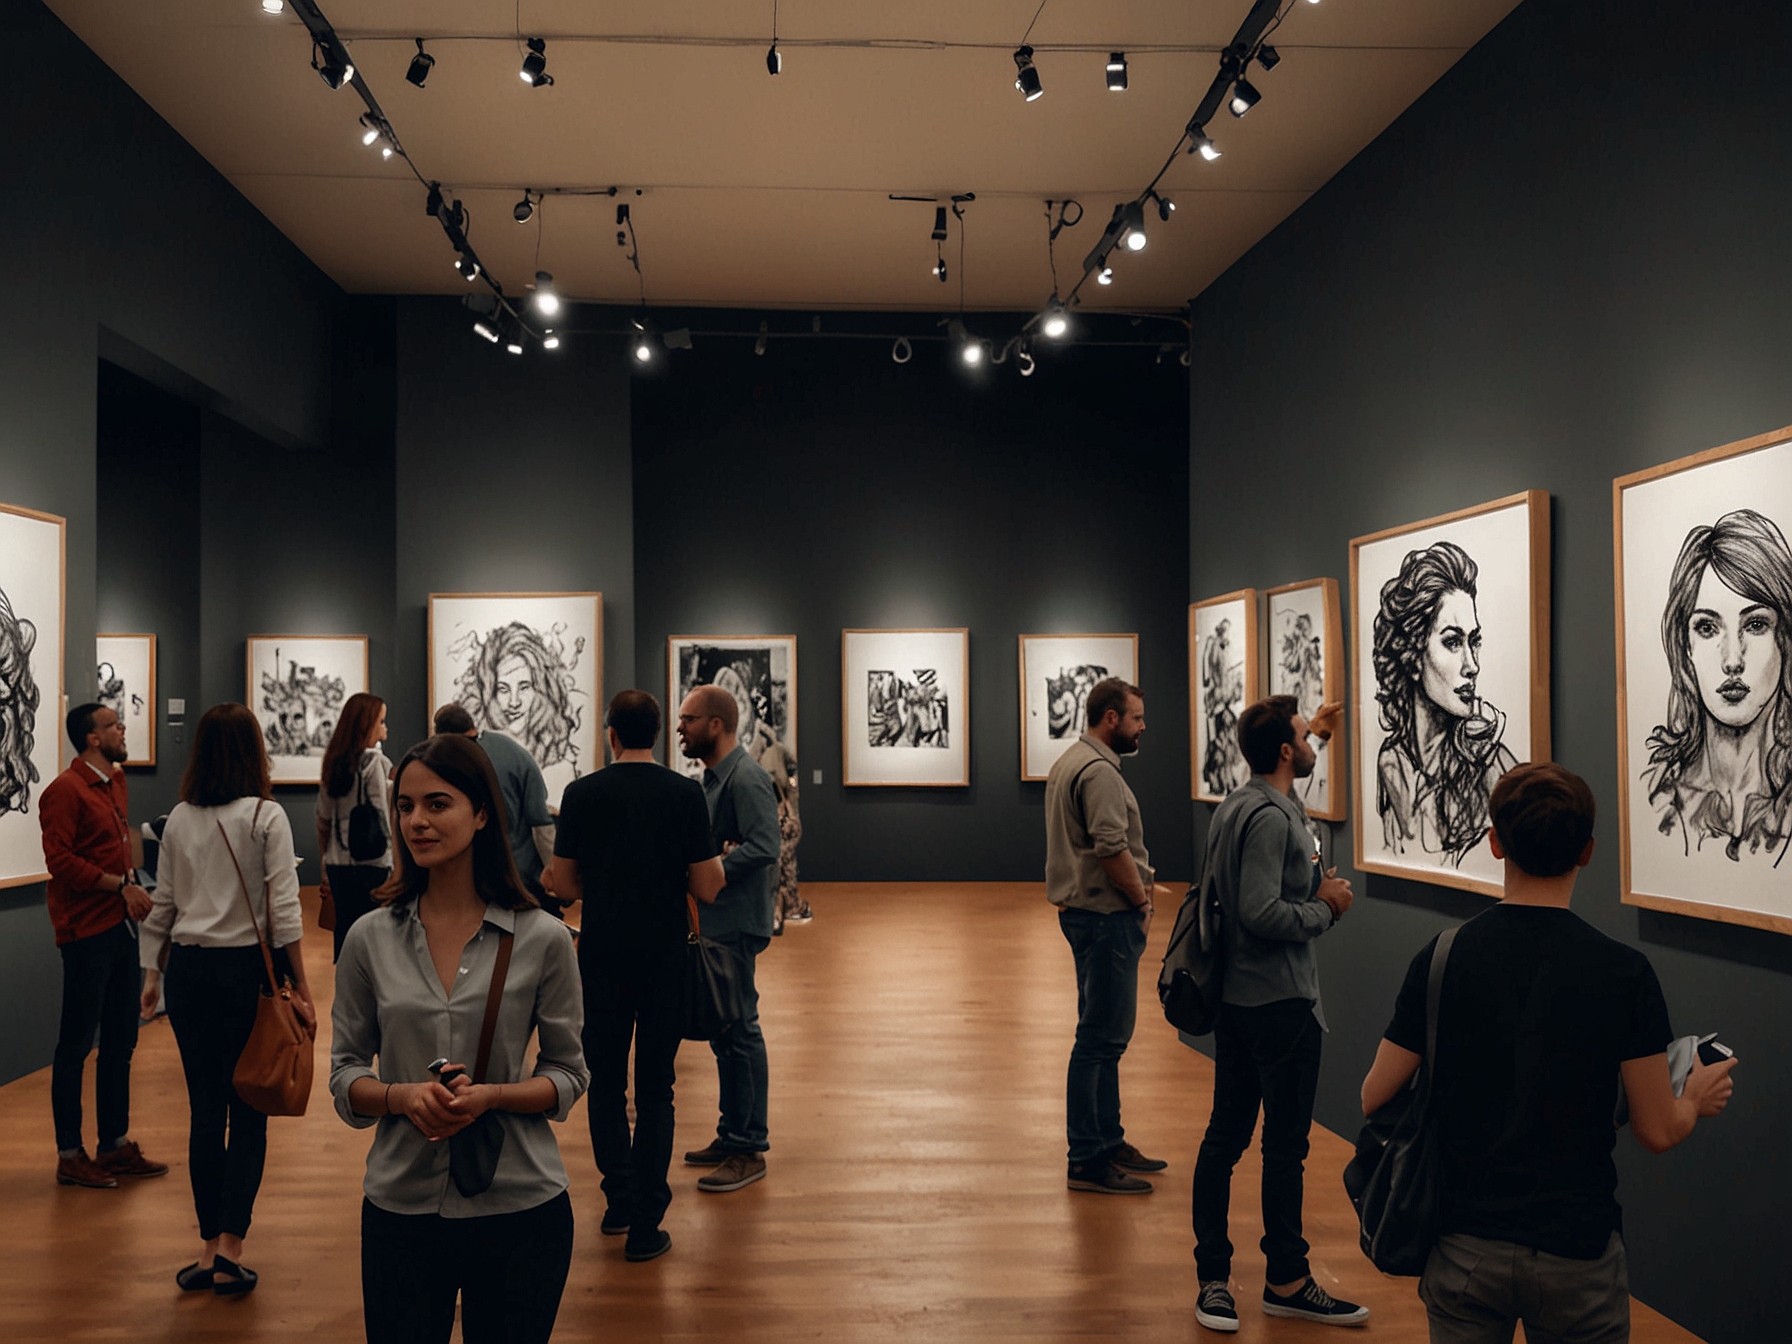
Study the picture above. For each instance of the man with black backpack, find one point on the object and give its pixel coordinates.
(1263, 861)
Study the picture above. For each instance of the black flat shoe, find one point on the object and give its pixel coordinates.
(241, 1280)
(193, 1279)
(647, 1248)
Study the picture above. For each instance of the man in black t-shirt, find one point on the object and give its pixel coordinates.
(632, 840)
(1541, 1016)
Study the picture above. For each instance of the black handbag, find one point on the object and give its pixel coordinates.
(366, 829)
(1393, 1178)
(473, 1153)
(1194, 971)
(710, 999)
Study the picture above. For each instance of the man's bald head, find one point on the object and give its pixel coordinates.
(716, 703)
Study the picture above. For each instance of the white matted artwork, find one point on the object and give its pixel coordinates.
(1057, 673)
(125, 682)
(529, 665)
(1223, 677)
(1306, 660)
(1704, 628)
(297, 687)
(1450, 683)
(758, 670)
(905, 707)
(33, 578)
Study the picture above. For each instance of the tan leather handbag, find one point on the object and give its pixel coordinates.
(273, 1074)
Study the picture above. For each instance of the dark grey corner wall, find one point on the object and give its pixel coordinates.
(1548, 273)
(824, 487)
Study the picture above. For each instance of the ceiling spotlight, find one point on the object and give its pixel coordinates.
(549, 341)
(336, 69)
(1117, 72)
(774, 59)
(513, 343)
(642, 345)
(524, 210)
(1026, 77)
(370, 129)
(421, 64)
(547, 302)
(1165, 208)
(939, 269)
(1133, 232)
(535, 65)
(643, 349)
(972, 353)
(468, 268)
(1105, 276)
(1056, 321)
(1199, 143)
(1268, 57)
(939, 223)
(272, 6)
(486, 330)
(1244, 97)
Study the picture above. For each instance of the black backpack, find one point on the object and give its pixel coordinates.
(366, 829)
(1194, 972)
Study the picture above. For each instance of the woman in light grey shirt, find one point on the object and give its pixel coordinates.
(355, 771)
(411, 990)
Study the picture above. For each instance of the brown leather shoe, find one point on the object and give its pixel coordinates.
(127, 1160)
(83, 1170)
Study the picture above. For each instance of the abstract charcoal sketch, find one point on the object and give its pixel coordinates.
(1222, 701)
(19, 699)
(1067, 699)
(903, 713)
(299, 709)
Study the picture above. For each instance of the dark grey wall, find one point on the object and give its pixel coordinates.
(824, 487)
(1542, 276)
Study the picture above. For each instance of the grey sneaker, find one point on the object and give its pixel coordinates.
(1215, 1309)
(1104, 1178)
(739, 1169)
(1310, 1302)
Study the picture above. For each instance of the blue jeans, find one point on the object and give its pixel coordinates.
(1106, 949)
(740, 1058)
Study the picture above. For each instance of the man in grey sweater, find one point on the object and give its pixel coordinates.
(1276, 900)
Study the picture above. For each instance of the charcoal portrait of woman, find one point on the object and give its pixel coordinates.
(520, 681)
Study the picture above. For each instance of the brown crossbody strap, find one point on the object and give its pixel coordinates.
(267, 956)
(493, 997)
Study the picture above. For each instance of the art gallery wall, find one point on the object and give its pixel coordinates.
(823, 486)
(1536, 279)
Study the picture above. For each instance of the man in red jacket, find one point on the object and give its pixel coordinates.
(94, 899)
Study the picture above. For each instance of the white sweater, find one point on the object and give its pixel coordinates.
(198, 897)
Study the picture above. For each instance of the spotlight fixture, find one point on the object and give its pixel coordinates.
(547, 302)
(272, 6)
(549, 341)
(468, 268)
(421, 64)
(1056, 321)
(485, 329)
(1105, 276)
(970, 349)
(1116, 72)
(1165, 207)
(774, 59)
(335, 69)
(972, 353)
(524, 210)
(1026, 77)
(642, 345)
(1244, 97)
(513, 343)
(1133, 227)
(535, 65)
(939, 224)
(1268, 57)
(939, 269)
(370, 129)
(1198, 143)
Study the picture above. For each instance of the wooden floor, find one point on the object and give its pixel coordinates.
(918, 1038)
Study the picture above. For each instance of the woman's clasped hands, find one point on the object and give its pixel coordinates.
(441, 1110)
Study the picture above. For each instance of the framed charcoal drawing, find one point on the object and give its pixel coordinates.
(529, 665)
(297, 687)
(1306, 660)
(1449, 683)
(1056, 674)
(33, 591)
(125, 682)
(1704, 626)
(1223, 677)
(758, 670)
(905, 707)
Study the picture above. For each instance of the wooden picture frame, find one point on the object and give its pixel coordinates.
(1671, 525)
(1046, 729)
(1225, 674)
(33, 673)
(771, 696)
(296, 686)
(1290, 654)
(1415, 837)
(905, 708)
(133, 660)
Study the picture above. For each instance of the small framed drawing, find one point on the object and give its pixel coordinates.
(528, 665)
(297, 687)
(1704, 626)
(1056, 674)
(125, 682)
(33, 591)
(905, 707)
(758, 670)
(1306, 660)
(1449, 683)
(1223, 677)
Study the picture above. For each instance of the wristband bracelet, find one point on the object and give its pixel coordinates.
(388, 1101)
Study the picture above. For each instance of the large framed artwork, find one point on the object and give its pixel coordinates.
(1306, 660)
(1223, 677)
(529, 665)
(1449, 683)
(1704, 607)
(33, 586)
(1056, 674)
(758, 670)
(125, 682)
(905, 707)
(297, 687)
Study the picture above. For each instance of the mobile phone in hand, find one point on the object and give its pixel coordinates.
(444, 1074)
(1714, 1052)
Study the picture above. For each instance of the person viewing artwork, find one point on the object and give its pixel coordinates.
(1720, 763)
(519, 681)
(437, 1226)
(355, 772)
(1443, 751)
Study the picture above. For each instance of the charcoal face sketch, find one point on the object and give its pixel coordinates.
(1223, 765)
(1444, 749)
(907, 709)
(1067, 699)
(522, 681)
(1297, 668)
(19, 700)
(756, 672)
(297, 707)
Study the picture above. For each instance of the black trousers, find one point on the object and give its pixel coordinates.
(1268, 1056)
(100, 987)
(212, 993)
(631, 998)
(507, 1269)
(351, 890)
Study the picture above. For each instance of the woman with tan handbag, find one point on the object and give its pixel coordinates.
(225, 876)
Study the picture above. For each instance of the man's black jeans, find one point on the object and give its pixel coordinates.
(101, 984)
(1267, 1055)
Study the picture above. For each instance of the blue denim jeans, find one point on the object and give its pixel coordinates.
(1106, 949)
(740, 1059)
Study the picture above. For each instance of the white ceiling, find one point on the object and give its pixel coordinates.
(763, 192)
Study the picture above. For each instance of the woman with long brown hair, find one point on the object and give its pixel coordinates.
(225, 877)
(355, 774)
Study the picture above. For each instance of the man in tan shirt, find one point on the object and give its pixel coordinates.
(1098, 874)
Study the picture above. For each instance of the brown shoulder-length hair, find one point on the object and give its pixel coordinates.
(354, 731)
(228, 759)
(461, 762)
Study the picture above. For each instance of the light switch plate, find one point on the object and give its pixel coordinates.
(177, 709)
(818, 776)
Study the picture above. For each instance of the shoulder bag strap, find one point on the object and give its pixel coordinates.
(1076, 800)
(493, 997)
(691, 902)
(1434, 993)
(267, 956)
